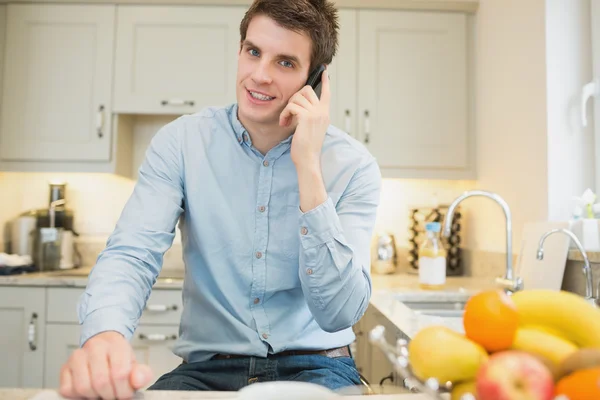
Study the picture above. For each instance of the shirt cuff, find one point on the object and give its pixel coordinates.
(319, 225)
(103, 321)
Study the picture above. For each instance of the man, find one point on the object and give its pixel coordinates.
(276, 210)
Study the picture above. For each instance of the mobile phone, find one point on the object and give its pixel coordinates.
(314, 79)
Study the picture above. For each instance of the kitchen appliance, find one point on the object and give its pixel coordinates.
(384, 254)
(46, 234)
(419, 217)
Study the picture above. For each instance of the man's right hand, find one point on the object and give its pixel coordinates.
(105, 368)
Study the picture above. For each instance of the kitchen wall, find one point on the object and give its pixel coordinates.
(569, 68)
(533, 57)
(97, 199)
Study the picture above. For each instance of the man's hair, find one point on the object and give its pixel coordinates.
(318, 19)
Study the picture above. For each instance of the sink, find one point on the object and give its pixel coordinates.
(446, 309)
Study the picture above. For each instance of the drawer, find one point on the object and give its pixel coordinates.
(163, 307)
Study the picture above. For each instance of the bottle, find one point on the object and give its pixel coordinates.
(432, 259)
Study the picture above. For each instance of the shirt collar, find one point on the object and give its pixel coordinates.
(241, 133)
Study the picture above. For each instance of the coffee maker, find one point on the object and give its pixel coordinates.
(46, 234)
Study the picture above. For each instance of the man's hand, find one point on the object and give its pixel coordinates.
(105, 368)
(310, 117)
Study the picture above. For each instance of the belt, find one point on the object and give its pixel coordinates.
(331, 353)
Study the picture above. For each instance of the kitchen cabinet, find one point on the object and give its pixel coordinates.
(402, 83)
(414, 93)
(152, 341)
(176, 60)
(22, 336)
(152, 345)
(56, 99)
(343, 74)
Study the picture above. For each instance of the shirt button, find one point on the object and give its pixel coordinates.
(304, 230)
(261, 208)
(265, 336)
(256, 301)
(258, 254)
(245, 137)
(240, 139)
(266, 163)
(309, 271)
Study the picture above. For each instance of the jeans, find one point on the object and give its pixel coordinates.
(235, 373)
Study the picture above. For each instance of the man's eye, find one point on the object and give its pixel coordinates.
(253, 52)
(287, 64)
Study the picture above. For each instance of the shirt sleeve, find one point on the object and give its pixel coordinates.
(122, 279)
(335, 252)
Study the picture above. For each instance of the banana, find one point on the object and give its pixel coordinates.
(563, 312)
(541, 343)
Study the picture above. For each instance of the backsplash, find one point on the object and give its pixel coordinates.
(98, 199)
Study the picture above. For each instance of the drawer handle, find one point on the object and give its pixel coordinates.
(161, 307)
(177, 102)
(367, 128)
(32, 333)
(100, 121)
(157, 337)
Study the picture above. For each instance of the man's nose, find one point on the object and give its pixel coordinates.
(262, 74)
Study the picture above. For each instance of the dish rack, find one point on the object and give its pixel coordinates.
(398, 356)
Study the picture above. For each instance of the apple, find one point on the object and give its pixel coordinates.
(514, 375)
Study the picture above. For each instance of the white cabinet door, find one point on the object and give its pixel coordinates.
(22, 312)
(413, 91)
(57, 83)
(176, 60)
(343, 75)
(151, 344)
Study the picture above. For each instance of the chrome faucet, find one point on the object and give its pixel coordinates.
(509, 282)
(587, 270)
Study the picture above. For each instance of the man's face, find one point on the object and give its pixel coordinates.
(273, 64)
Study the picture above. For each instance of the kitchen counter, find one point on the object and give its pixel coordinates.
(173, 279)
(34, 394)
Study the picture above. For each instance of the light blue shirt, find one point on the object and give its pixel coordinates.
(261, 276)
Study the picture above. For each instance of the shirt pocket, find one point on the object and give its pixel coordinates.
(284, 230)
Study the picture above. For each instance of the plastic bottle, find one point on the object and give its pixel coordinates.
(432, 259)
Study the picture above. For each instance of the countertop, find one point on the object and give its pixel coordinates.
(34, 394)
(173, 279)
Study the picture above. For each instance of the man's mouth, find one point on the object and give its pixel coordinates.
(260, 96)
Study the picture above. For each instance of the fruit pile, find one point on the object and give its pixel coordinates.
(533, 345)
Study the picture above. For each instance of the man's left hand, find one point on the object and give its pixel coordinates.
(310, 115)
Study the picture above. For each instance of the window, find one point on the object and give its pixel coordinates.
(593, 88)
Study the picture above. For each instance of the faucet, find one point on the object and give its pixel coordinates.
(509, 282)
(587, 270)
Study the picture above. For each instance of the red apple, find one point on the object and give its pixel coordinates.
(514, 375)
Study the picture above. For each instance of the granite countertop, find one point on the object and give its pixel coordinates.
(35, 394)
(173, 279)
(78, 277)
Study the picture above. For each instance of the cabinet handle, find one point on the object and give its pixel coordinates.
(161, 307)
(31, 332)
(367, 127)
(100, 121)
(177, 102)
(157, 337)
(347, 122)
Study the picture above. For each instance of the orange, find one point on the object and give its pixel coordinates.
(580, 385)
(491, 319)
